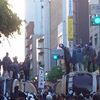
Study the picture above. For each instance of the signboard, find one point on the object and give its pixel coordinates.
(41, 78)
(71, 47)
(95, 9)
(70, 13)
(57, 51)
(70, 28)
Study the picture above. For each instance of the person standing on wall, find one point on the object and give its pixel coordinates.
(6, 64)
(79, 59)
(89, 56)
(28, 67)
(67, 57)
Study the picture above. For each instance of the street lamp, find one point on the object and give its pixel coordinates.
(46, 73)
(36, 77)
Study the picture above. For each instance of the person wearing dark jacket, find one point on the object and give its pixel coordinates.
(6, 64)
(79, 59)
(91, 54)
(98, 60)
(17, 94)
(28, 67)
(73, 59)
(15, 66)
(67, 57)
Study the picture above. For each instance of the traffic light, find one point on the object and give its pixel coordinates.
(94, 20)
(55, 57)
(97, 20)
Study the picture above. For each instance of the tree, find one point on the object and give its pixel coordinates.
(9, 21)
(55, 73)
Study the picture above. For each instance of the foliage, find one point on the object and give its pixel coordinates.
(85, 63)
(91, 67)
(9, 21)
(55, 73)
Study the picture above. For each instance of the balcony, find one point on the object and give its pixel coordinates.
(30, 46)
(27, 36)
(27, 51)
(41, 39)
(41, 51)
(27, 44)
(30, 56)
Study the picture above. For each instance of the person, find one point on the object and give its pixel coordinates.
(98, 60)
(24, 69)
(6, 63)
(90, 56)
(73, 59)
(28, 67)
(79, 58)
(15, 67)
(17, 94)
(96, 97)
(84, 49)
(48, 97)
(67, 57)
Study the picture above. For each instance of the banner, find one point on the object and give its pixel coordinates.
(70, 28)
(70, 12)
(41, 78)
(71, 47)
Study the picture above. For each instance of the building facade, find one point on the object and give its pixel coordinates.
(80, 22)
(38, 12)
(94, 31)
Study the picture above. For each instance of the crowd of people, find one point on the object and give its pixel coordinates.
(47, 95)
(77, 57)
(15, 67)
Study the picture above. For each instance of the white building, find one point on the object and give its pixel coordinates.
(38, 12)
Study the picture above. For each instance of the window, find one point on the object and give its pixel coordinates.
(96, 39)
(91, 39)
(60, 39)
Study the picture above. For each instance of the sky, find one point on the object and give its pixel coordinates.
(16, 47)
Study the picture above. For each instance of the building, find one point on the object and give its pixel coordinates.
(28, 40)
(94, 31)
(31, 47)
(80, 22)
(38, 12)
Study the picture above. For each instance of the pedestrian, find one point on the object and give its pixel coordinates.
(15, 68)
(48, 97)
(96, 97)
(79, 59)
(73, 59)
(6, 64)
(24, 68)
(67, 57)
(28, 67)
(98, 60)
(17, 94)
(90, 55)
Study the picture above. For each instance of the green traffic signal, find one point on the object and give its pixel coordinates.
(97, 20)
(55, 57)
